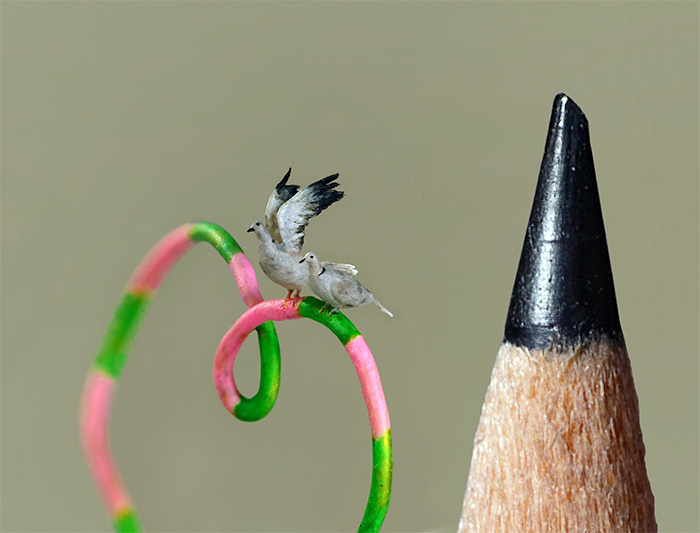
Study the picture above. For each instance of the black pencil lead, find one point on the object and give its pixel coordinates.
(564, 294)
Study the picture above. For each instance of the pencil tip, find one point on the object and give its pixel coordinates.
(564, 294)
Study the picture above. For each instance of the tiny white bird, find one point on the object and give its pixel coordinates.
(337, 287)
(281, 238)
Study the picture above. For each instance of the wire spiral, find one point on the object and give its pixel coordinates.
(116, 343)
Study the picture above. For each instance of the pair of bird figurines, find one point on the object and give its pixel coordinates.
(281, 238)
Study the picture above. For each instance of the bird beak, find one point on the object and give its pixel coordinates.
(304, 259)
(249, 230)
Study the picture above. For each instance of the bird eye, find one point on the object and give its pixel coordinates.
(257, 224)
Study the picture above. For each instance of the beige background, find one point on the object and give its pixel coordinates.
(122, 120)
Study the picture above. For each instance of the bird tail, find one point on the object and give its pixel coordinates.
(384, 309)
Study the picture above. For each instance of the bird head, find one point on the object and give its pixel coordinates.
(256, 227)
(311, 259)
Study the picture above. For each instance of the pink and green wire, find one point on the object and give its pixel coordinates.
(114, 349)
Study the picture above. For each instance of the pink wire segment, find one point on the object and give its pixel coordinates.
(153, 268)
(94, 431)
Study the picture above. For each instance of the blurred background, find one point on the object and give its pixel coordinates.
(122, 120)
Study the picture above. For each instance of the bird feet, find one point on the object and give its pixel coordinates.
(329, 309)
(295, 300)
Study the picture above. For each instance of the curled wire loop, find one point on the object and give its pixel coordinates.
(116, 343)
(365, 366)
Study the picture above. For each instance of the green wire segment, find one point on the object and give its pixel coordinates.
(338, 323)
(260, 405)
(218, 237)
(114, 349)
(382, 462)
(127, 522)
(257, 407)
(380, 490)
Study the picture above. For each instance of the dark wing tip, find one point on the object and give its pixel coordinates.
(326, 199)
(284, 180)
(286, 191)
(563, 294)
(326, 181)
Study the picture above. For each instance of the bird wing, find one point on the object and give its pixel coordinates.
(279, 196)
(348, 291)
(294, 214)
(341, 267)
(339, 290)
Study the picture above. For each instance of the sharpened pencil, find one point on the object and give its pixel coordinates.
(559, 445)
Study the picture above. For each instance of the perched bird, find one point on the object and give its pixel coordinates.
(337, 287)
(281, 238)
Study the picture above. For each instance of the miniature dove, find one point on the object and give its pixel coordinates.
(338, 288)
(281, 238)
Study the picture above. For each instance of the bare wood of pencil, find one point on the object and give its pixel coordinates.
(559, 445)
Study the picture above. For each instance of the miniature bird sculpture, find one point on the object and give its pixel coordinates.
(281, 238)
(337, 287)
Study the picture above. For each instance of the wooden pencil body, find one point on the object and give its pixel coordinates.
(559, 446)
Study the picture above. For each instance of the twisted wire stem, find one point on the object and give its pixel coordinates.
(115, 345)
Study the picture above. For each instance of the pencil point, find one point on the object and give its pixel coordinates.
(564, 294)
